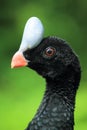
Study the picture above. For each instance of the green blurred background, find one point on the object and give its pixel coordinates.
(21, 90)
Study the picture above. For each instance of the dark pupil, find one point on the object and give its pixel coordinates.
(49, 51)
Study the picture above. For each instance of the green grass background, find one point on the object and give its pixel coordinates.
(21, 90)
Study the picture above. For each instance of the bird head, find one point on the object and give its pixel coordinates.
(51, 57)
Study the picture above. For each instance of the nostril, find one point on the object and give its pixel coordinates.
(26, 56)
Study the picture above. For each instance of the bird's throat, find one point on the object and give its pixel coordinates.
(55, 111)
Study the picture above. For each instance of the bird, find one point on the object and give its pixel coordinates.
(54, 59)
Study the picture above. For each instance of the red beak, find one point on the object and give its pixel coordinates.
(18, 60)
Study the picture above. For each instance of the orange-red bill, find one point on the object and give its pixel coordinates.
(18, 60)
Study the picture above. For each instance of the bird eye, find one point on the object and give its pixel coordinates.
(50, 51)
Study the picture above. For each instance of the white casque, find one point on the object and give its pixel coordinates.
(32, 35)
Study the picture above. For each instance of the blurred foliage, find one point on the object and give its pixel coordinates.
(21, 90)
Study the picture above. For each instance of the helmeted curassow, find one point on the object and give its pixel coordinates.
(53, 59)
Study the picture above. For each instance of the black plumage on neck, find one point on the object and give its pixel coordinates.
(56, 111)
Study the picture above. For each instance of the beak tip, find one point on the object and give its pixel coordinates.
(18, 61)
(12, 66)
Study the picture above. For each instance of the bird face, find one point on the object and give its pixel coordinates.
(49, 56)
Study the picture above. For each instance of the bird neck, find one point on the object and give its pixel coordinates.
(56, 110)
(63, 88)
(62, 101)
